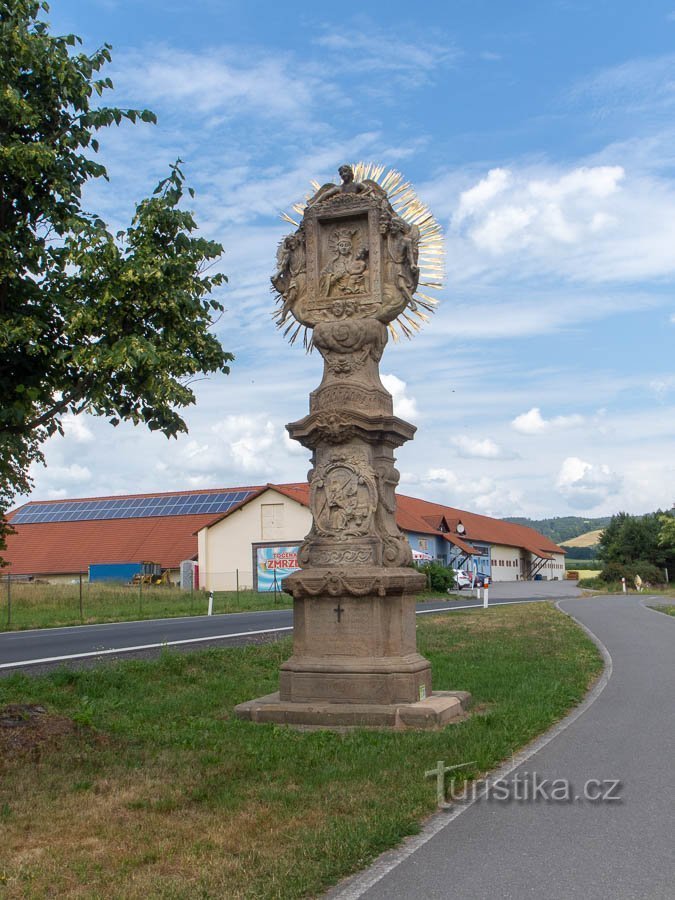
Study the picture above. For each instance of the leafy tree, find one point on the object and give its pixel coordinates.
(115, 325)
(667, 532)
(667, 540)
(439, 577)
(631, 539)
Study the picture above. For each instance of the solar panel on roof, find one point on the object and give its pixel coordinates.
(130, 507)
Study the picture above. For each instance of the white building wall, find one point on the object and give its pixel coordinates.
(505, 563)
(225, 549)
(510, 564)
(554, 570)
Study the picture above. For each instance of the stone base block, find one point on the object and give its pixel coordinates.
(438, 710)
(338, 679)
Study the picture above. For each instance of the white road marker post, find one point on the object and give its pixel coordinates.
(210, 612)
(485, 594)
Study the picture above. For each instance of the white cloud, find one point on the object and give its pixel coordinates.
(223, 80)
(476, 198)
(482, 495)
(597, 223)
(474, 448)
(405, 406)
(76, 429)
(372, 50)
(585, 485)
(662, 386)
(508, 212)
(532, 422)
(636, 86)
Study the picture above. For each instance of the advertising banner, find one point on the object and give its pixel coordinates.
(271, 561)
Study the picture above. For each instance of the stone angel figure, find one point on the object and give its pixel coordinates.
(403, 241)
(289, 279)
(348, 186)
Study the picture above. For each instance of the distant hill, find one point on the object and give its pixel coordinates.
(589, 539)
(562, 529)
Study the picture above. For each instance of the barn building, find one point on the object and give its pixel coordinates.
(248, 536)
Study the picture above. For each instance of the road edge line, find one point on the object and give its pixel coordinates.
(155, 646)
(356, 886)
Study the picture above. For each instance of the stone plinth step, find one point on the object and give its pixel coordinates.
(433, 713)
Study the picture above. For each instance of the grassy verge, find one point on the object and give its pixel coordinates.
(158, 792)
(668, 610)
(49, 606)
(615, 587)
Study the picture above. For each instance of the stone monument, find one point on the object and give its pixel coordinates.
(349, 270)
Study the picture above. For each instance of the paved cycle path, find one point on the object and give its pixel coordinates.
(578, 849)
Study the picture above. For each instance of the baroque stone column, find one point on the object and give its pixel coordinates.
(349, 269)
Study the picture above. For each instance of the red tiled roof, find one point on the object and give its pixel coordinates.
(477, 527)
(64, 547)
(67, 547)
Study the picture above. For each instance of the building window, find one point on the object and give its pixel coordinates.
(272, 521)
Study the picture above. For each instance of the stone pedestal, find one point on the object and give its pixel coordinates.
(347, 271)
(355, 648)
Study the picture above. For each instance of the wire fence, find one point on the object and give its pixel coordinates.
(33, 601)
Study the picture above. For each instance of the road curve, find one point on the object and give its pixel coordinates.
(585, 849)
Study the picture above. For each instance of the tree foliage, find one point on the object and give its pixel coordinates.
(561, 529)
(629, 541)
(115, 325)
(439, 577)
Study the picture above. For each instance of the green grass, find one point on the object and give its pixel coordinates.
(160, 792)
(615, 587)
(668, 610)
(49, 606)
(594, 565)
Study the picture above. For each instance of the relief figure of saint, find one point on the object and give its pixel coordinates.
(347, 271)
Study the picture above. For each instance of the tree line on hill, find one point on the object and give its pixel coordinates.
(562, 528)
(628, 546)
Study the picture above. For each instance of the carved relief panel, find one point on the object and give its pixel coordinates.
(343, 494)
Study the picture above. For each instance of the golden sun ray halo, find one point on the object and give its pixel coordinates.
(411, 209)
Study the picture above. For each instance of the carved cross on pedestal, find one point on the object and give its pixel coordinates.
(338, 611)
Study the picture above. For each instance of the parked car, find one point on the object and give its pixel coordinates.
(468, 579)
(462, 579)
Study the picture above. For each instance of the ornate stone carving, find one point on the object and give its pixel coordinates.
(347, 396)
(315, 583)
(344, 556)
(333, 428)
(346, 273)
(343, 495)
(290, 278)
(349, 186)
(352, 257)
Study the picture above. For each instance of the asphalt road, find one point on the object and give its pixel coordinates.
(590, 849)
(52, 646)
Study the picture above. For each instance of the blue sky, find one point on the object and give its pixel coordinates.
(542, 137)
